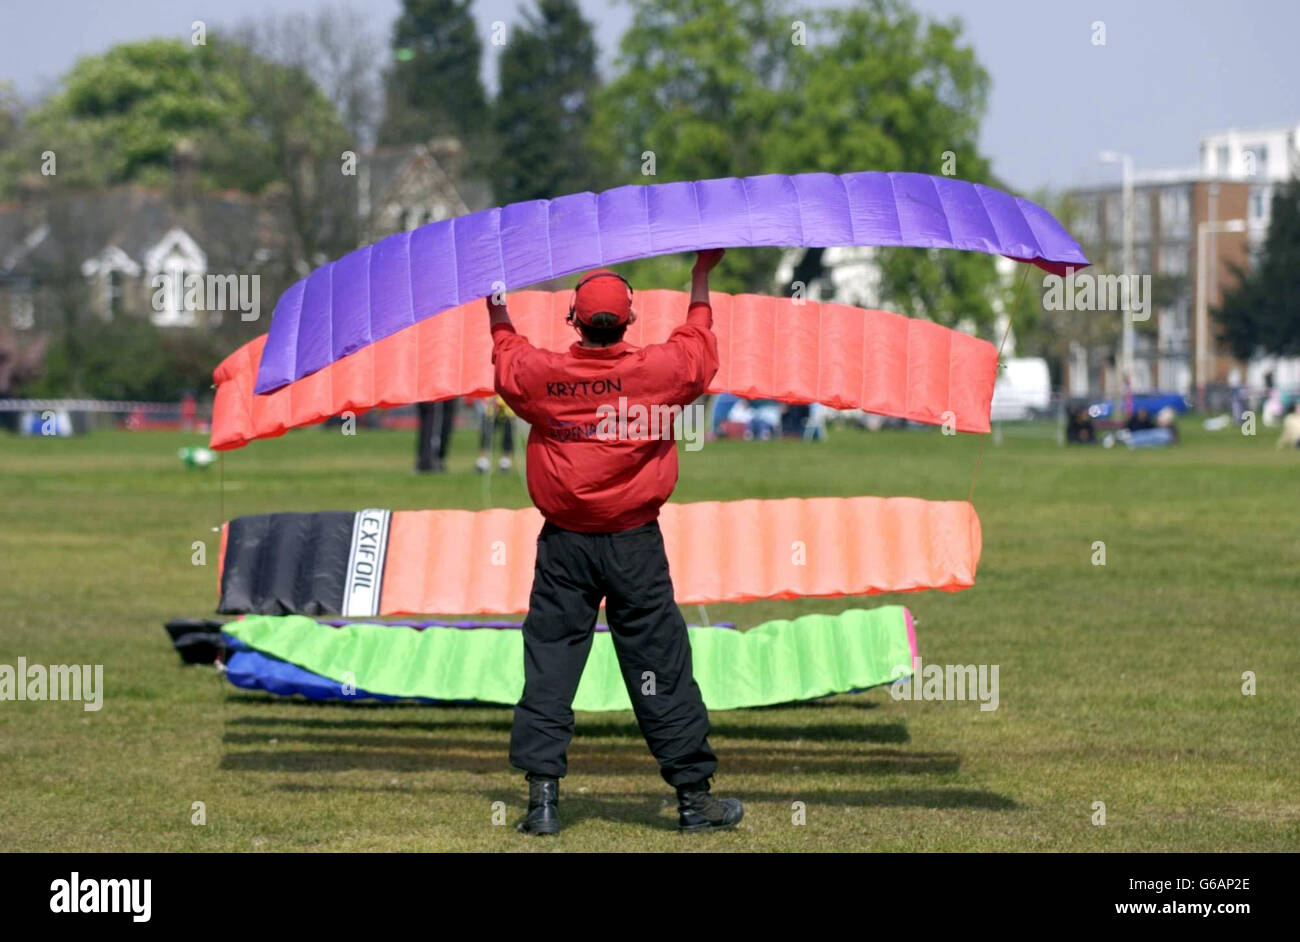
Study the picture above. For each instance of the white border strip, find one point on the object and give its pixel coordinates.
(366, 563)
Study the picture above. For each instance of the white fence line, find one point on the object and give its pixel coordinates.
(85, 405)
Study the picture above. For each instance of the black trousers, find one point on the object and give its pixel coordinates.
(630, 571)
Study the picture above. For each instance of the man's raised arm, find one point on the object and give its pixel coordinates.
(705, 262)
(514, 359)
(688, 359)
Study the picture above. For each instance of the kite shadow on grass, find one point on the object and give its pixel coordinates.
(751, 723)
(404, 739)
(285, 752)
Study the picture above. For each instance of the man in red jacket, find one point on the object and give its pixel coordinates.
(600, 488)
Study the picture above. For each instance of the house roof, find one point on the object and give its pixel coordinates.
(235, 230)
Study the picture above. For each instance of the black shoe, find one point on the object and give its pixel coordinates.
(697, 810)
(543, 815)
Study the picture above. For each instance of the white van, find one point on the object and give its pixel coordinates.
(1023, 390)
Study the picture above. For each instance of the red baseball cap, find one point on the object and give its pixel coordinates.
(602, 292)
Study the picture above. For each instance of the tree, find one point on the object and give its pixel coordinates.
(734, 87)
(542, 113)
(118, 117)
(1261, 314)
(294, 145)
(10, 126)
(694, 96)
(434, 86)
(336, 49)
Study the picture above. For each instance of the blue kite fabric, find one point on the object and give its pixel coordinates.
(382, 288)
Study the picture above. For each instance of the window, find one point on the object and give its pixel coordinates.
(1223, 165)
(22, 307)
(113, 287)
(1254, 161)
(1141, 217)
(1174, 212)
(174, 312)
(1258, 203)
(415, 217)
(167, 265)
(1173, 260)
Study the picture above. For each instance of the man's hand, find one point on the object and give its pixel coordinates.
(706, 260)
(497, 313)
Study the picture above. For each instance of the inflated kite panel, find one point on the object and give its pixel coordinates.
(776, 662)
(769, 348)
(282, 563)
(481, 562)
(376, 291)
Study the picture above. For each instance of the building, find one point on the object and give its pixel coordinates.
(402, 188)
(1262, 158)
(1177, 214)
(68, 255)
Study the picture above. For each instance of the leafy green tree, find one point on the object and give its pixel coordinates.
(434, 86)
(1261, 314)
(118, 117)
(128, 359)
(734, 87)
(542, 113)
(694, 96)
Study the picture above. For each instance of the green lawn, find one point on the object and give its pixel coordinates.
(1118, 683)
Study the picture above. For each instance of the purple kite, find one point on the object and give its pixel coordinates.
(377, 290)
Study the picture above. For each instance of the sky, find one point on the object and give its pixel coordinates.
(1169, 71)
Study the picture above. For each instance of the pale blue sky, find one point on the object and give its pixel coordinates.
(1170, 69)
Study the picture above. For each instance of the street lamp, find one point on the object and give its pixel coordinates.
(1126, 188)
(1203, 230)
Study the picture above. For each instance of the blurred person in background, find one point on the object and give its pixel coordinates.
(433, 440)
(1079, 430)
(1290, 437)
(496, 416)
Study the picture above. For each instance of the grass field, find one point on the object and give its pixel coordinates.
(1119, 683)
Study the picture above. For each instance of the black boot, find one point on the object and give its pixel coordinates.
(543, 815)
(697, 810)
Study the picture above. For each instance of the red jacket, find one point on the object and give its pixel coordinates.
(584, 473)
